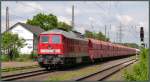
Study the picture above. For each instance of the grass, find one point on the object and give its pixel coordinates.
(20, 58)
(119, 76)
(23, 58)
(4, 58)
(139, 70)
(74, 73)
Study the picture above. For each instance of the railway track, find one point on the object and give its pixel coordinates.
(103, 74)
(38, 72)
(24, 75)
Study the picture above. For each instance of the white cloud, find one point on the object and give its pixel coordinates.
(124, 19)
(69, 11)
(91, 19)
(80, 29)
(22, 8)
(141, 23)
(3, 11)
(85, 14)
(64, 19)
(11, 23)
(34, 5)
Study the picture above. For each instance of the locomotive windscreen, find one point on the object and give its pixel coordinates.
(56, 39)
(44, 39)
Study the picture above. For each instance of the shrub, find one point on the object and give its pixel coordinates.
(23, 57)
(33, 55)
(4, 57)
(140, 70)
(15, 53)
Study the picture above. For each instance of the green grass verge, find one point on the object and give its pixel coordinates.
(139, 70)
(72, 74)
(18, 68)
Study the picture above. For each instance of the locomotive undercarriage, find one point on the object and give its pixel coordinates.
(50, 61)
(57, 61)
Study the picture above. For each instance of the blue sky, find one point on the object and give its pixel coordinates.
(130, 14)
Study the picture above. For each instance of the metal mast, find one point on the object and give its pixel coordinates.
(7, 18)
(120, 33)
(72, 16)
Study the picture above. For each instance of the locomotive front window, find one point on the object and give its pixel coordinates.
(56, 39)
(44, 39)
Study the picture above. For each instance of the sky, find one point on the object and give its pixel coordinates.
(89, 15)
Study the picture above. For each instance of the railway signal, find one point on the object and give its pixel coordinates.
(142, 36)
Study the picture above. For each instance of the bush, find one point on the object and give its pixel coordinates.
(19, 57)
(23, 57)
(4, 57)
(15, 53)
(33, 55)
(140, 70)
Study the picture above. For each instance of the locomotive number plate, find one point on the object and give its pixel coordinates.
(46, 50)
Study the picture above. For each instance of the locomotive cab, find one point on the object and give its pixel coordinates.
(50, 44)
(50, 49)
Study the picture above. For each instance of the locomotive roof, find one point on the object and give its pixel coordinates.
(69, 34)
(108, 43)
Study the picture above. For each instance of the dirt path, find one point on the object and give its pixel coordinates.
(17, 64)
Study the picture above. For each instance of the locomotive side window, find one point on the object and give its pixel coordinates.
(56, 39)
(44, 39)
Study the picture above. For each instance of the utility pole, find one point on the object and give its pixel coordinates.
(93, 29)
(120, 33)
(109, 31)
(72, 16)
(116, 36)
(7, 18)
(105, 30)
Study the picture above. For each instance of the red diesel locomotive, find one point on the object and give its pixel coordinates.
(60, 48)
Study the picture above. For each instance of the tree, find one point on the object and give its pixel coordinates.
(88, 34)
(11, 42)
(98, 36)
(64, 26)
(133, 45)
(46, 22)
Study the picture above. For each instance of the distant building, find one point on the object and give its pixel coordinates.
(29, 33)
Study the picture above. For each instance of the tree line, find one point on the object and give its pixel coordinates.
(50, 21)
(12, 43)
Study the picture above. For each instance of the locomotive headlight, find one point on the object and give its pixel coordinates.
(57, 50)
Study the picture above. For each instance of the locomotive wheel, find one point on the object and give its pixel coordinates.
(41, 64)
(48, 68)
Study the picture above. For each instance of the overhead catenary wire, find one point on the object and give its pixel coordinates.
(105, 14)
(131, 32)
